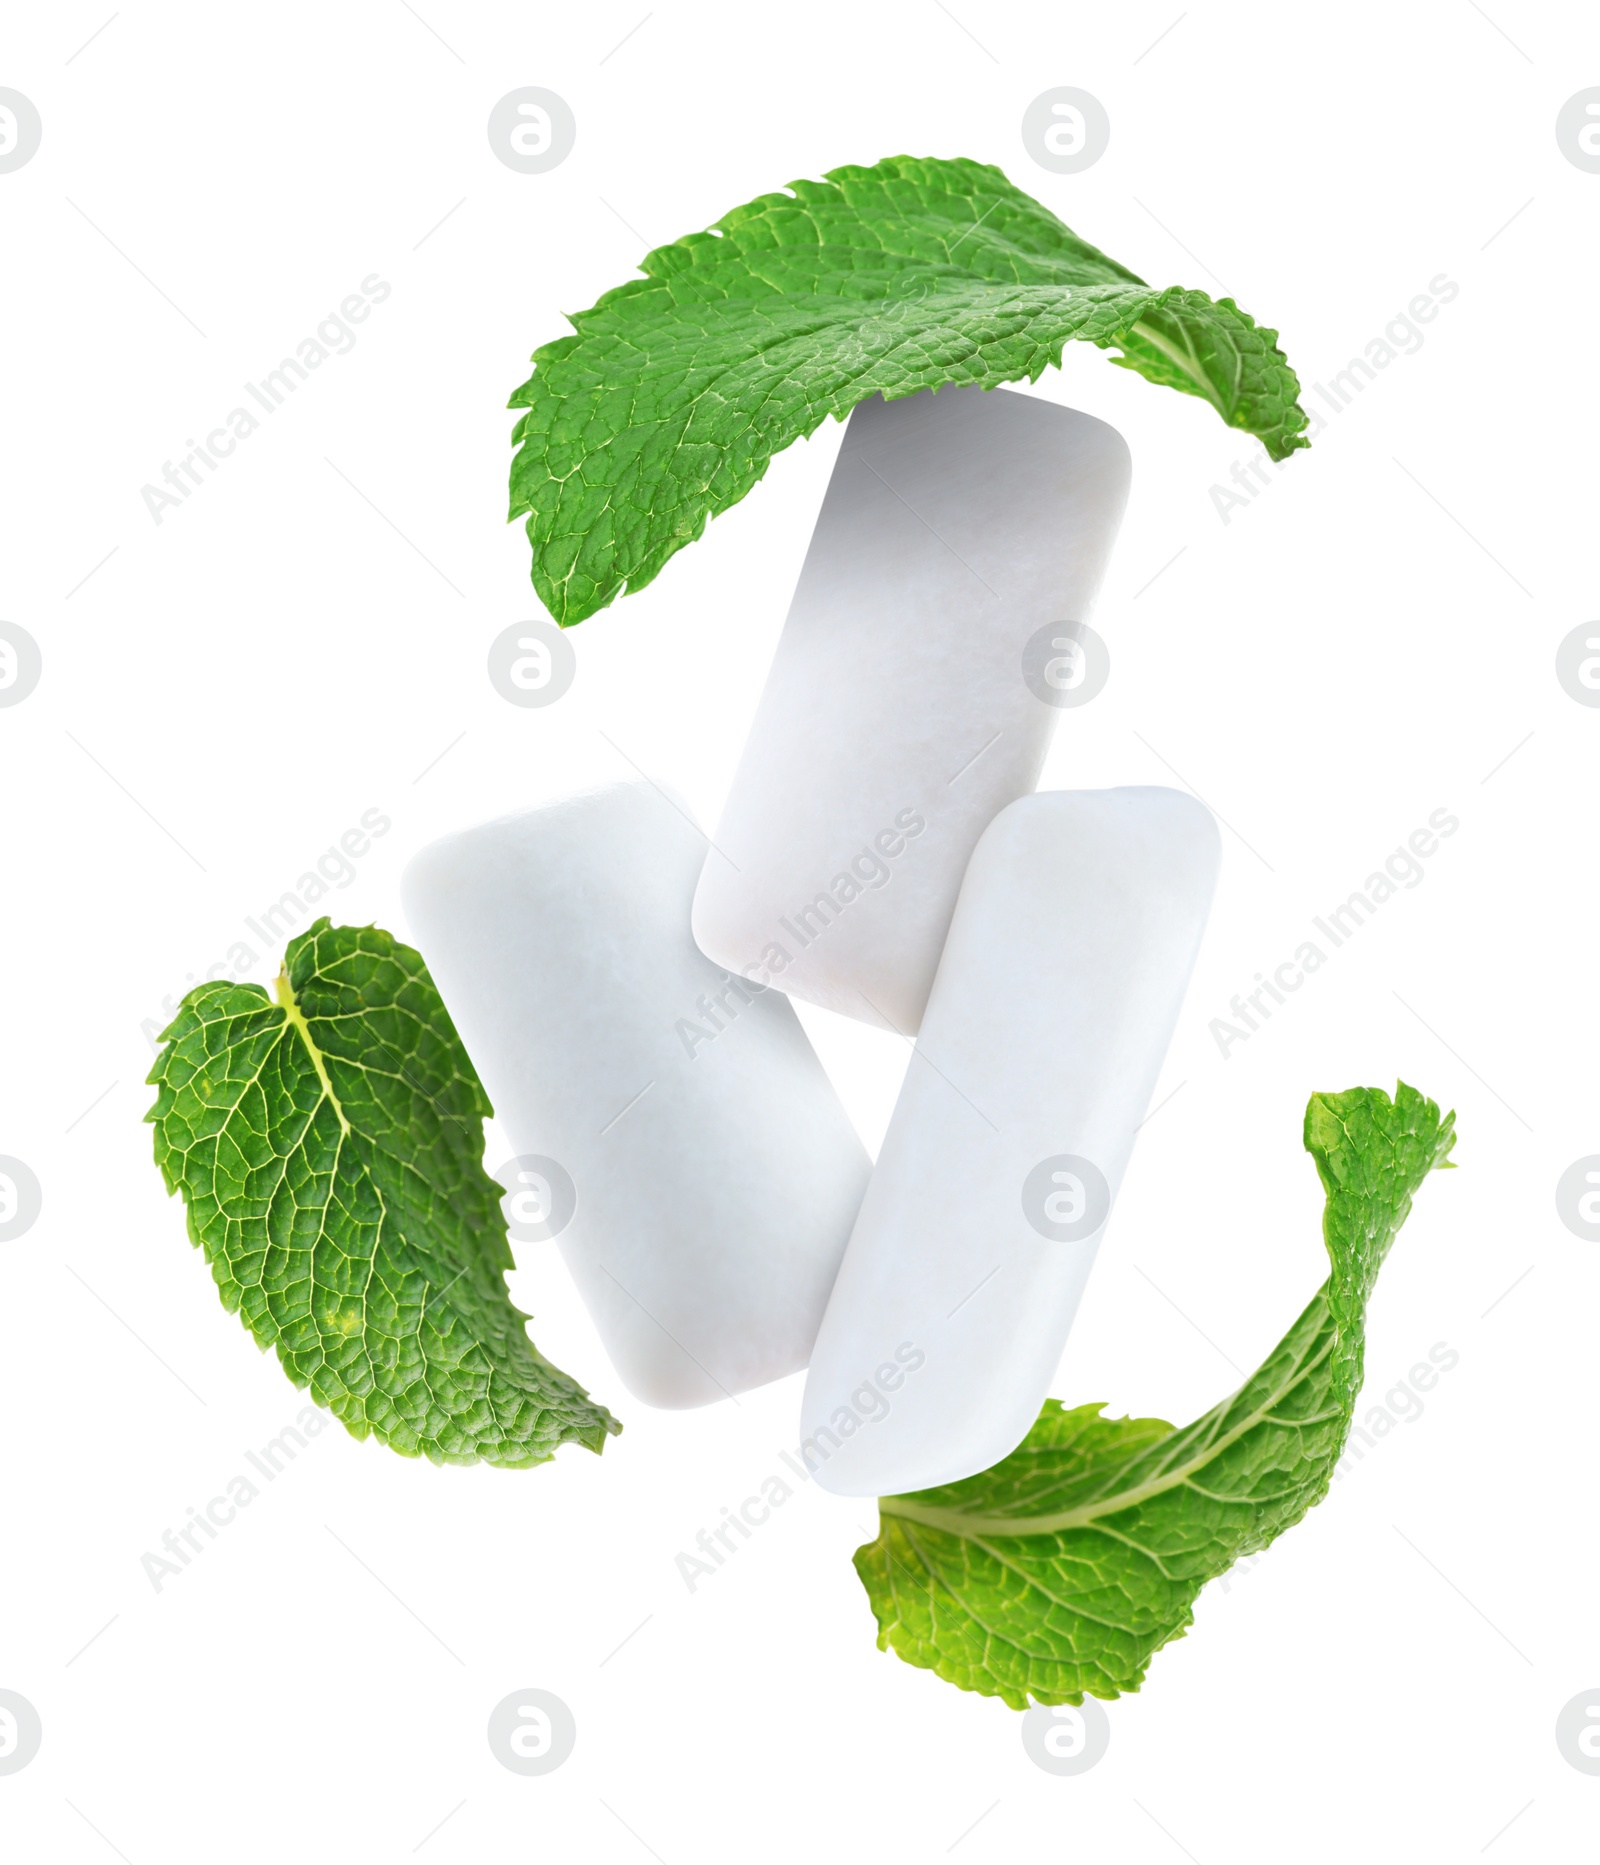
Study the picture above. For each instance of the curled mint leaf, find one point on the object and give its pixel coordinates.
(329, 1148)
(1066, 1567)
(677, 388)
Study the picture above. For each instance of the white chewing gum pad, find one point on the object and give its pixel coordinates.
(1069, 954)
(896, 721)
(675, 1131)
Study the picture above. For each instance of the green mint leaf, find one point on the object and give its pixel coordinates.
(329, 1149)
(680, 386)
(1068, 1565)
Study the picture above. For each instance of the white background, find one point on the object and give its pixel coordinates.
(1371, 639)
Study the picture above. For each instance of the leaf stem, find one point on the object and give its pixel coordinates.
(284, 991)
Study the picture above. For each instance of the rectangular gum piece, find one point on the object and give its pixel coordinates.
(896, 721)
(1071, 948)
(706, 1173)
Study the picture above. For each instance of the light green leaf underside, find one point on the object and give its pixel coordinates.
(329, 1150)
(1062, 1570)
(677, 388)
